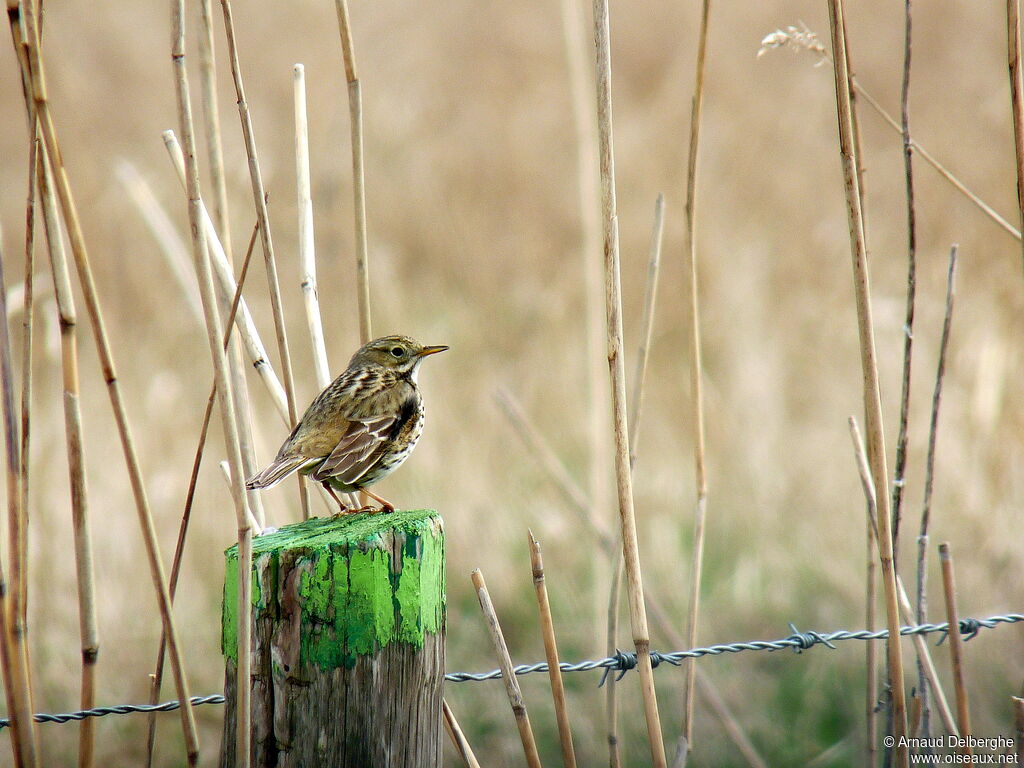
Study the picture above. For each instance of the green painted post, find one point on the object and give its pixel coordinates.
(348, 619)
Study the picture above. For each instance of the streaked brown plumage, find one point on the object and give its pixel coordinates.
(362, 427)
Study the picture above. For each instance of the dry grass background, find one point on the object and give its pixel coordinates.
(473, 233)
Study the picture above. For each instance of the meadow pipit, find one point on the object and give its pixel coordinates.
(362, 427)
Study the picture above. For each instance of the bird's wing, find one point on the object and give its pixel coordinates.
(277, 471)
(357, 451)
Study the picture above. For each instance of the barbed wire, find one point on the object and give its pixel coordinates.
(621, 662)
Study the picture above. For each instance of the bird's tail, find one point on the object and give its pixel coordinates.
(277, 471)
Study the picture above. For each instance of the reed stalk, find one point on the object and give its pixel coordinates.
(551, 653)
(355, 113)
(260, 201)
(229, 424)
(79, 251)
(13, 653)
(27, 355)
(458, 738)
(956, 644)
(900, 465)
(515, 695)
(88, 630)
(696, 388)
(872, 398)
(1016, 97)
(211, 124)
(307, 249)
(921, 604)
(639, 379)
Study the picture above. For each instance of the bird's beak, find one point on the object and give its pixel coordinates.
(432, 350)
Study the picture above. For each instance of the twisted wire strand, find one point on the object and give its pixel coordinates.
(621, 662)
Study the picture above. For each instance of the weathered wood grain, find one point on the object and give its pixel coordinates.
(348, 643)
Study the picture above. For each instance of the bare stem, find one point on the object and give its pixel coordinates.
(956, 647)
(458, 738)
(1016, 96)
(307, 249)
(13, 653)
(355, 111)
(908, 323)
(872, 397)
(88, 632)
(696, 384)
(551, 653)
(646, 326)
(515, 695)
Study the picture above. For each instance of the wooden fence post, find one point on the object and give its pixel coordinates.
(348, 618)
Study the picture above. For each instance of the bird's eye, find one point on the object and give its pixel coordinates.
(397, 351)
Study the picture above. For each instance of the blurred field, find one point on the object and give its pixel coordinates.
(473, 222)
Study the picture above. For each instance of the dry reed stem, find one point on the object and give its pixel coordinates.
(307, 248)
(643, 355)
(260, 200)
(872, 398)
(458, 738)
(156, 679)
(17, 520)
(88, 631)
(515, 695)
(355, 113)
(1016, 96)
(227, 285)
(871, 659)
(696, 389)
(89, 293)
(929, 477)
(646, 326)
(13, 654)
(28, 339)
(616, 366)
(551, 653)
(211, 123)
(214, 334)
(900, 464)
(666, 626)
(870, 654)
(956, 646)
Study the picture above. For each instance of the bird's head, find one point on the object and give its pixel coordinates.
(398, 353)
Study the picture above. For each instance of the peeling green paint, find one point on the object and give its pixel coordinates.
(354, 596)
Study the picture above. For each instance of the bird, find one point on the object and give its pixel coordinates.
(361, 427)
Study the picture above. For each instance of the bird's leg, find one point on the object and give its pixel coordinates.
(385, 505)
(342, 508)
